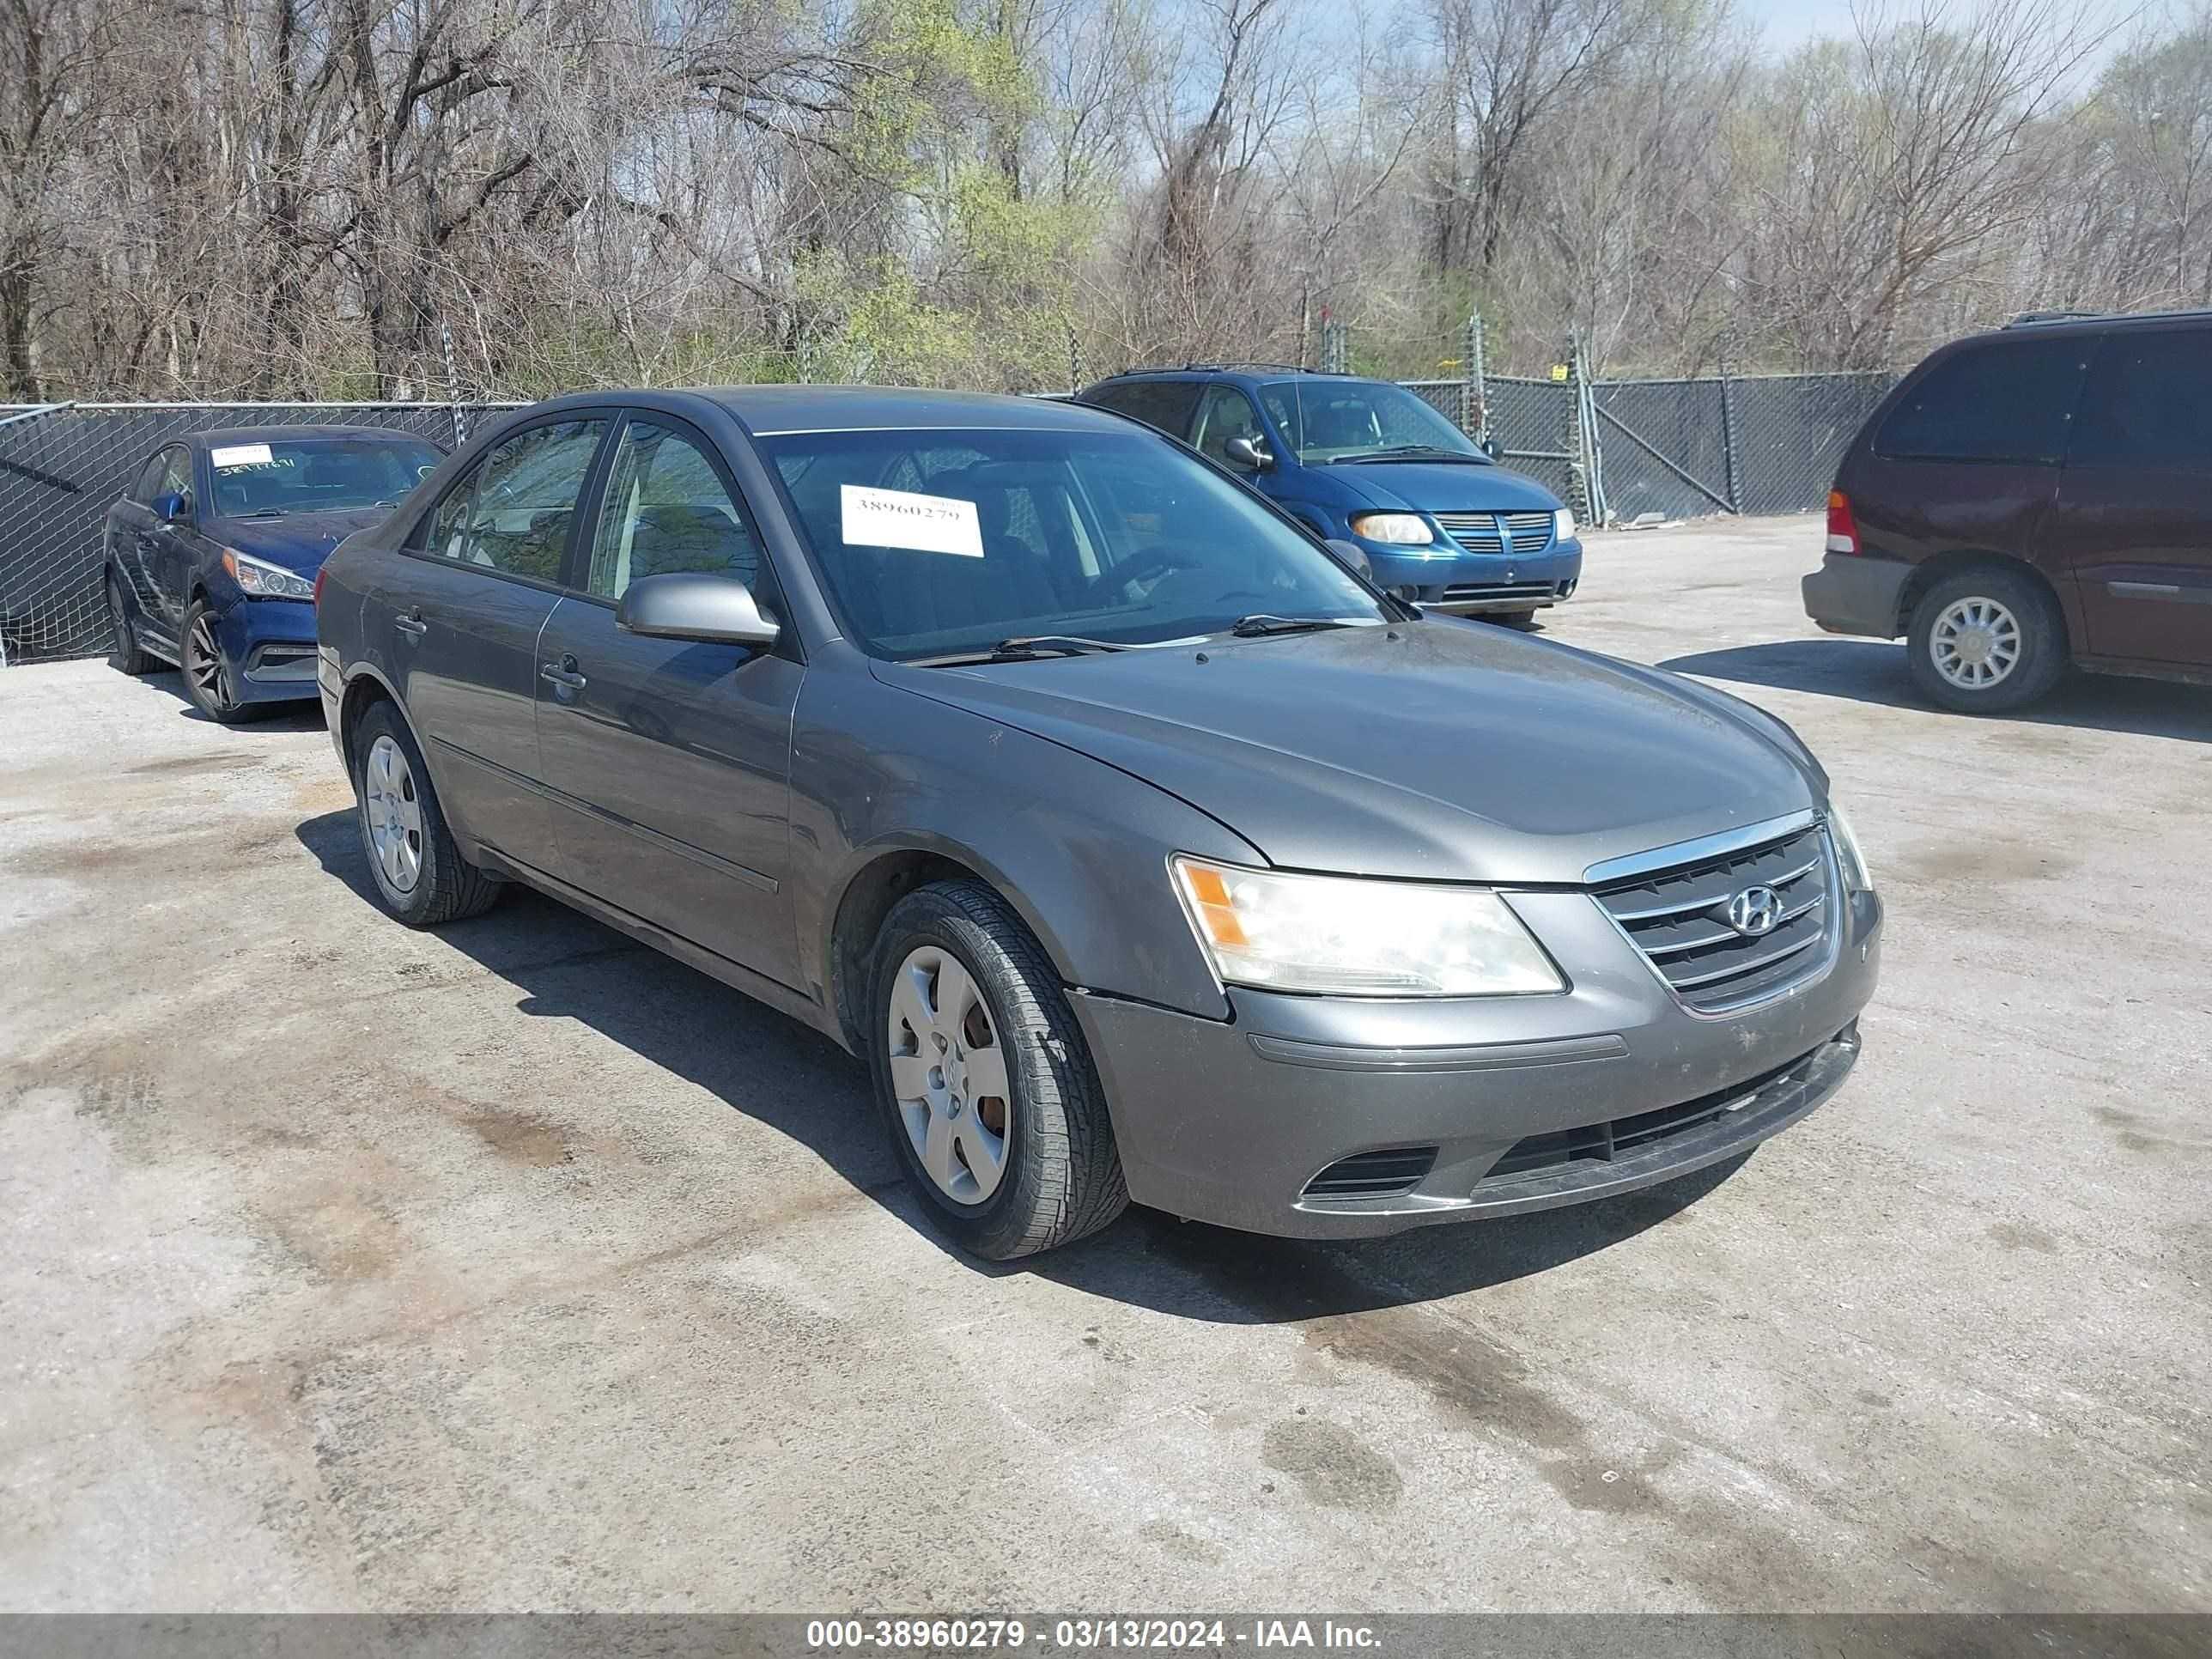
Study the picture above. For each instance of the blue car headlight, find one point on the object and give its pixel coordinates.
(260, 579)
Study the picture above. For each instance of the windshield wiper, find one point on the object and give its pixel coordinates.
(1413, 452)
(1027, 648)
(1260, 624)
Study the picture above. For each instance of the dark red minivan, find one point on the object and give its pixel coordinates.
(2029, 498)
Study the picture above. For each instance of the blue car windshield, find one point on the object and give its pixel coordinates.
(1326, 420)
(316, 475)
(936, 542)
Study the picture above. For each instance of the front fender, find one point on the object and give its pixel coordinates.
(1078, 849)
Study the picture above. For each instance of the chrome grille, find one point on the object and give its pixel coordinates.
(1677, 917)
(1494, 533)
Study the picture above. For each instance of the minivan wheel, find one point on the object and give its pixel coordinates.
(124, 654)
(987, 1088)
(417, 867)
(1982, 641)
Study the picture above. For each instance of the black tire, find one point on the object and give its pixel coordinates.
(2042, 654)
(211, 683)
(1063, 1178)
(1510, 619)
(126, 655)
(447, 886)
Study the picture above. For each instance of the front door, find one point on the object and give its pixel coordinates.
(670, 760)
(2133, 520)
(461, 622)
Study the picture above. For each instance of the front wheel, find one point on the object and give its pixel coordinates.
(210, 680)
(1511, 618)
(417, 866)
(1985, 642)
(987, 1088)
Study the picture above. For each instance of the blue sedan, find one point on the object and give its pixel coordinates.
(211, 555)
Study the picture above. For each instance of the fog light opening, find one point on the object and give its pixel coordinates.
(1408, 592)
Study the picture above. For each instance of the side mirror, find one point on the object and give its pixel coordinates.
(172, 509)
(1353, 555)
(1246, 453)
(1491, 447)
(686, 605)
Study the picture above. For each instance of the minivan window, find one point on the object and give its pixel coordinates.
(2147, 404)
(1224, 414)
(1162, 404)
(667, 510)
(514, 511)
(1110, 536)
(1325, 419)
(2007, 400)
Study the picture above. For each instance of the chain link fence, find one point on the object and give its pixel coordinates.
(1683, 448)
(62, 466)
(1677, 448)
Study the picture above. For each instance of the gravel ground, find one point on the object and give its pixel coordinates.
(342, 1266)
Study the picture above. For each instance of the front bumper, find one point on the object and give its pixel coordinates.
(1608, 1087)
(1466, 584)
(271, 646)
(1856, 593)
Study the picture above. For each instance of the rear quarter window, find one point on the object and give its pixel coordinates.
(2003, 401)
(1164, 403)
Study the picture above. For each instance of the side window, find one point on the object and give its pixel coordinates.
(1223, 414)
(514, 511)
(148, 484)
(1162, 404)
(667, 509)
(2008, 400)
(2145, 403)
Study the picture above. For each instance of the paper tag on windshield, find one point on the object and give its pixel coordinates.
(241, 455)
(897, 518)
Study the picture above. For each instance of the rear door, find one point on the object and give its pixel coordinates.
(457, 621)
(2133, 521)
(1966, 460)
(670, 760)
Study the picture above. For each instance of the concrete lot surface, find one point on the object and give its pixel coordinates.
(516, 1266)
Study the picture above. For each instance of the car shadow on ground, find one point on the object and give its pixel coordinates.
(292, 716)
(1874, 671)
(797, 1082)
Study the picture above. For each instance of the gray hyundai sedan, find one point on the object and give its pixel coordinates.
(1140, 846)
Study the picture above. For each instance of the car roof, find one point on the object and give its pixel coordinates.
(266, 435)
(1236, 373)
(767, 410)
(2092, 322)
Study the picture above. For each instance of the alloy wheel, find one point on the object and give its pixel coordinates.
(949, 1075)
(203, 663)
(392, 809)
(1976, 643)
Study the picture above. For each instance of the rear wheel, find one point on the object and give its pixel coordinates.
(1983, 641)
(987, 1088)
(210, 680)
(417, 866)
(124, 653)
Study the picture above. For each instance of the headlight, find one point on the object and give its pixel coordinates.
(1857, 878)
(1563, 525)
(1398, 529)
(264, 581)
(1359, 938)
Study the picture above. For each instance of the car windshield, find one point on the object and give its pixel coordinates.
(936, 543)
(1327, 420)
(316, 475)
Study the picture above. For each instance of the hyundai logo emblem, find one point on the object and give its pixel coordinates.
(1754, 911)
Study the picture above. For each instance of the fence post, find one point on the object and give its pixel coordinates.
(1074, 361)
(1579, 482)
(453, 385)
(1728, 439)
(1473, 397)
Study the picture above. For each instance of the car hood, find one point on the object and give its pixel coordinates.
(1438, 750)
(1444, 486)
(299, 541)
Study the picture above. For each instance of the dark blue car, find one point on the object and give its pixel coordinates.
(212, 552)
(1368, 462)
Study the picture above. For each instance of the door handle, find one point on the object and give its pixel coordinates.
(412, 623)
(563, 673)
